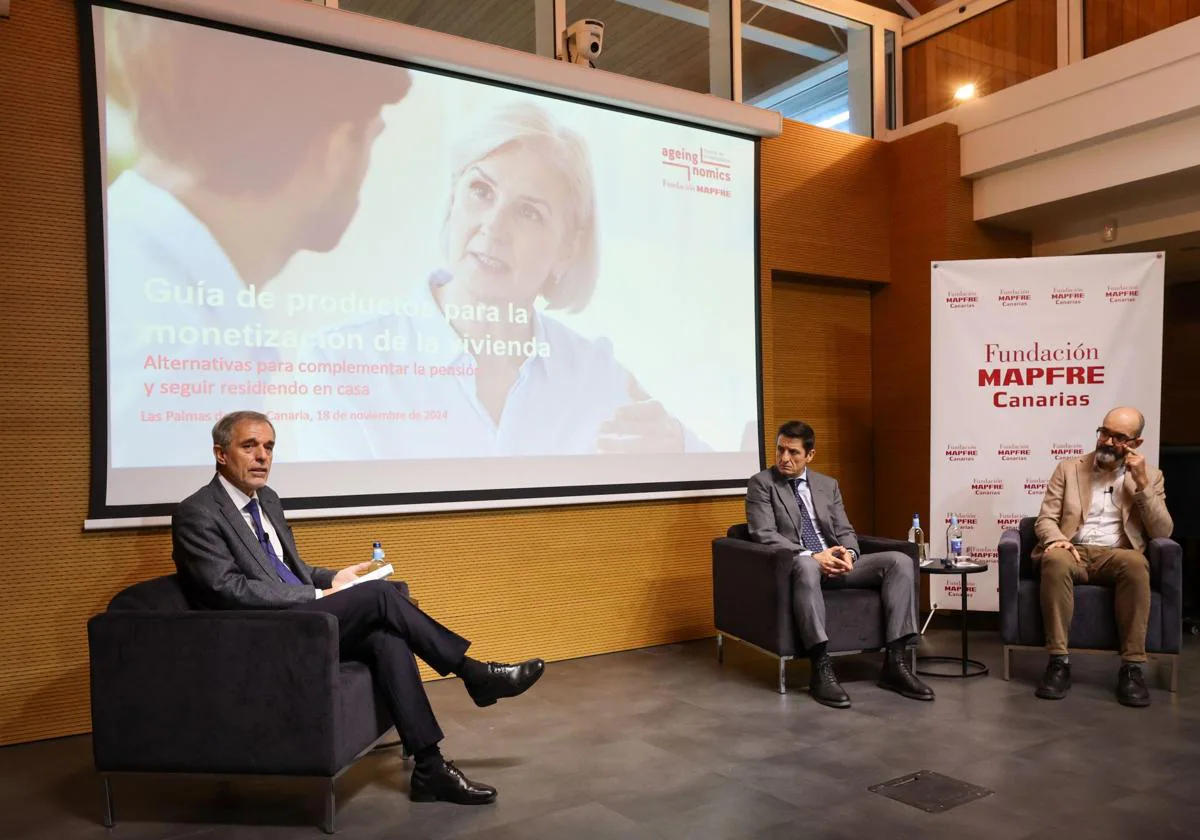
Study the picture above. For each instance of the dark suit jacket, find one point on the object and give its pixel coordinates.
(221, 562)
(774, 517)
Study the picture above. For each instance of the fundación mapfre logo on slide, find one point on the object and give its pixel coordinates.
(987, 486)
(697, 169)
(962, 300)
(1067, 295)
(1008, 521)
(1035, 487)
(966, 521)
(1013, 452)
(1121, 293)
(1014, 297)
(1063, 451)
(961, 452)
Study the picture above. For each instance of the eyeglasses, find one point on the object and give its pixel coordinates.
(1120, 440)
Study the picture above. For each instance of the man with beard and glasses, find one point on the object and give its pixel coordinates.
(1098, 513)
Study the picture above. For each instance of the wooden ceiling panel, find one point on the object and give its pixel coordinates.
(507, 23)
(648, 46)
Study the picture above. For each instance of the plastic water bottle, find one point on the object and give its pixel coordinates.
(954, 543)
(916, 535)
(376, 556)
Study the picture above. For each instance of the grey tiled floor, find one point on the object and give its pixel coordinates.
(666, 743)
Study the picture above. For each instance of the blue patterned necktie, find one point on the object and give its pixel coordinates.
(281, 568)
(809, 537)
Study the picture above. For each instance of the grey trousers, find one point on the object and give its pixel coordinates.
(891, 572)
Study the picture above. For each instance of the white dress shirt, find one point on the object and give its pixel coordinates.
(1104, 525)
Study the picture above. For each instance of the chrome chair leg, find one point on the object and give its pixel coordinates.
(720, 648)
(328, 825)
(108, 809)
(782, 675)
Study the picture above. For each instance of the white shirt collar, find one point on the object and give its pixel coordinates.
(240, 499)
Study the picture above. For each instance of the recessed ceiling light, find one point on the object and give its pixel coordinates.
(965, 92)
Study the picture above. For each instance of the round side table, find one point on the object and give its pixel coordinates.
(963, 666)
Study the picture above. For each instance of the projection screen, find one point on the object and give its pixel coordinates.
(443, 292)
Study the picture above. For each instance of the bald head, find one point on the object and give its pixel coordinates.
(1125, 420)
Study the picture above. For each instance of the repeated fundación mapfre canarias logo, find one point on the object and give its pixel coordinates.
(987, 486)
(961, 452)
(1012, 452)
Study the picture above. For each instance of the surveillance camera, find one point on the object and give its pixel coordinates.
(585, 40)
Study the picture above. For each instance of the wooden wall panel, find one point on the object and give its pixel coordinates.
(931, 219)
(824, 205)
(1181, 349)
(560, 583)
(1111, 23)
(997, 49)
(822, 373)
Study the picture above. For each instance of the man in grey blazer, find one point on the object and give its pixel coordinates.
(792, 506)
(234, 550)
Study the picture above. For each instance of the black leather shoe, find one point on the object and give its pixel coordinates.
(1056, 682)
(824, 687)
(502, 680)
(1131, 686)
(896, 676)
(446, 783)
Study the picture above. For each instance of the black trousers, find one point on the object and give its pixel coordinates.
(379, 626)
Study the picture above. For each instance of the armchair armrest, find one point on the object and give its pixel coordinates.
(871, 545)
(221, 691)
(1009, 550)
(752, 593)
(1166, 578)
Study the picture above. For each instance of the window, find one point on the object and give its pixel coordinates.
(810, 65)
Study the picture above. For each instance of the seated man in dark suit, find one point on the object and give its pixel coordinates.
(234, 550)
(792, 506)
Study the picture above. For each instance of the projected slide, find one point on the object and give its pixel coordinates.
(430, 284)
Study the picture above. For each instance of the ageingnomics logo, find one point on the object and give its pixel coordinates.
(697, 169)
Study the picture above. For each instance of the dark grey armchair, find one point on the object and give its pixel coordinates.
(752, 600)
(1094, 626)
(227, 692)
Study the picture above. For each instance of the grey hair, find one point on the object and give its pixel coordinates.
(222, 430)
(521, 123)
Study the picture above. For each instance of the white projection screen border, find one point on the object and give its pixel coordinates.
(415, 364)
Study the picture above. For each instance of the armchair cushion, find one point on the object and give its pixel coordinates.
(1093, 625)
(752, 596)
(225, 691)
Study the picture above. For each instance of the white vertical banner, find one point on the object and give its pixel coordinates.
(1027, 357)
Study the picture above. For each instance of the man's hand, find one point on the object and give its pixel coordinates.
(347, 575)
(643, 425)
(1069, 546)
(1135, 462)
(833, 564)
(845, 555)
